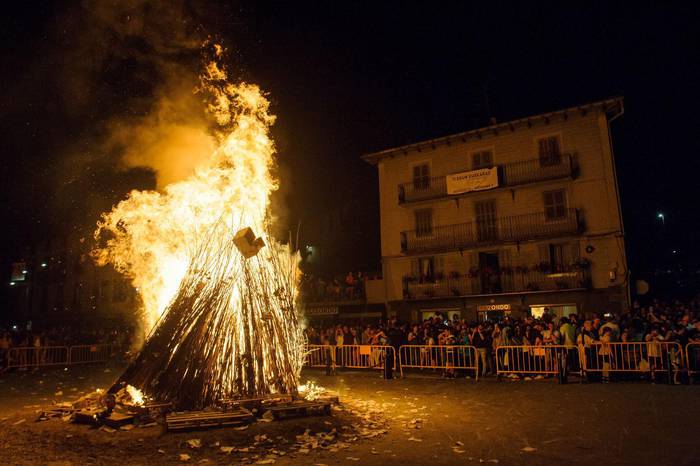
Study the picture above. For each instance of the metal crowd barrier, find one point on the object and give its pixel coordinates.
(597, 358)
(30, 356)
(316, 355)
(348, 356)
(633, 357)
(25, 357)
(85, 354)
(439, 357)
(536, 359)
(692, 359)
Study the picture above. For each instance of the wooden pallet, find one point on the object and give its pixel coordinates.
(258, 404)
(207, 419)
(149, 410)
(55, 411)
(301, 408)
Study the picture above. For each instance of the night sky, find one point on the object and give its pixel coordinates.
(345, 79)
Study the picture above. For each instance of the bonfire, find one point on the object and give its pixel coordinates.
(219, 303)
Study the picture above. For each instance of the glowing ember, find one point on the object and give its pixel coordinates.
(226, 319)
(135, 394)
(311, 391)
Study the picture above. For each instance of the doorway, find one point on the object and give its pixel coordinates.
(490, 272)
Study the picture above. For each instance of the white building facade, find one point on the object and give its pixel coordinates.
(512, 218)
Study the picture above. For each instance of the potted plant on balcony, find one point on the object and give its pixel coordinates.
(439, 276)
(543, 267)
(581, 263)
(455, 275)
(409, 279)
(521, 269)
(506, 270)
(473, 272)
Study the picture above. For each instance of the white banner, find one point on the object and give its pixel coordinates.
(475, 180)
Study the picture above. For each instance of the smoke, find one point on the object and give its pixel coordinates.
(173, 138)
(117, 80)
(133, 65)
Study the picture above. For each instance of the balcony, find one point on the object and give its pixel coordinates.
(511, 174)
(518, 280)
(493, 231)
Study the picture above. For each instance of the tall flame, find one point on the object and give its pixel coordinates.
(151, 233)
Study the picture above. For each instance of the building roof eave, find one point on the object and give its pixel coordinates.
(612, 107)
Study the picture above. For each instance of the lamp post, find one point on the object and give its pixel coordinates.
(661, 216)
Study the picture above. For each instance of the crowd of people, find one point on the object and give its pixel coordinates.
(62, 335)
(348, 287)
(657, 322)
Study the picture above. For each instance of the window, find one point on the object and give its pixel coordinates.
(421, 176)
(424, 222)
(549, 151)
(427, 269)
(557, 257)
(554, 204)
(486, 223)
(482, 159)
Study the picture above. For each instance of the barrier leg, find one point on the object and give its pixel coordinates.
(388, 364)
(562, 357)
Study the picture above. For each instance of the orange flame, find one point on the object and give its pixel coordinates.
(151, 232)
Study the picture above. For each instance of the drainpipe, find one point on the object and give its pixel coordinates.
(626, 282)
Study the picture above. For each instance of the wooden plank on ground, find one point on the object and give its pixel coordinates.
(206, 419)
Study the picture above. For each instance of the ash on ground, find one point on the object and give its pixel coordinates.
(143, 439)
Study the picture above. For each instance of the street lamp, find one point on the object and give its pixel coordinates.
(661, 216)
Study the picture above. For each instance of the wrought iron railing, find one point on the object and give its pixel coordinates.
(510, 174)
(497, 230)
(503, 282)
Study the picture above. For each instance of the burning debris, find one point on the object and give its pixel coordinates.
(120, 410)
(255, 443)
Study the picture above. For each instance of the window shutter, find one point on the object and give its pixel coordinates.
(415, 268)
(575, 250)
(440, 264)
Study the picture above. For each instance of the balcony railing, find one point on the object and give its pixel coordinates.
(513, 282)
(496, 230)
(510, 174)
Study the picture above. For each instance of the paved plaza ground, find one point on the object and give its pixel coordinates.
(429, 421)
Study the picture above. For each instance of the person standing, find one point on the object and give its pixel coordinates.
(605, 352)
(568, 339)
(482, 342)
(654, 352)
